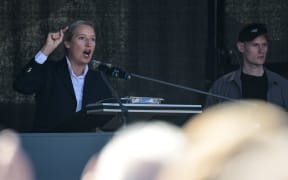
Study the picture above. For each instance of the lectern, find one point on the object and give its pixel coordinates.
(173, 113)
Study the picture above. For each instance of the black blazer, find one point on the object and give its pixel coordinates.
(55, 97)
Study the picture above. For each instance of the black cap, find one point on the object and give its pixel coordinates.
(251, 31)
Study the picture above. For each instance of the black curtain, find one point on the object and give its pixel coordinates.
(167, 42)
(186, 42)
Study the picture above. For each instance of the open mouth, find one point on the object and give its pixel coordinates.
(87, 53)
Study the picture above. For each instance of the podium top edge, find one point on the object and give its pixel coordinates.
(146, 105)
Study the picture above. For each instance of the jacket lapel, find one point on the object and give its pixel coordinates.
(85, 89)
(64, 74)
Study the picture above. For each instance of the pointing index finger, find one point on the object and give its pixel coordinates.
(65, 29)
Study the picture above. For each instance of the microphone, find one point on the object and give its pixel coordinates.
(110, 70)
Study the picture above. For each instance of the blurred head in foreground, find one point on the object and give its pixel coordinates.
(220, 134)
(136, 152)
(263, 157)
(14, 164)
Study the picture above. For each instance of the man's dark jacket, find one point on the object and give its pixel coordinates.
(55, 97)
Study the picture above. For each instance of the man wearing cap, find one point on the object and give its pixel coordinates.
(252, 80)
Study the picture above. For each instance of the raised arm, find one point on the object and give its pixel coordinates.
(32, 76)
(53, 40)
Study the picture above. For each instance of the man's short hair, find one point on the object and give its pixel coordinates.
(251, 31)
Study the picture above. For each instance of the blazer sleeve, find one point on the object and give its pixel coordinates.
(31, 78)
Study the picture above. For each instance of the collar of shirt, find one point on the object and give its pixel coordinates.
(72, 72)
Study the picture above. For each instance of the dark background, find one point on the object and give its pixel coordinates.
(186, 42)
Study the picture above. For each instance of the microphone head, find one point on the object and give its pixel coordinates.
(110, 70)
(95, 64)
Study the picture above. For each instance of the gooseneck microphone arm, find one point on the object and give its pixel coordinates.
(180, 86)
(118, 73)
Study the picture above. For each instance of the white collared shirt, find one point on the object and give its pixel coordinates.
(77, 81)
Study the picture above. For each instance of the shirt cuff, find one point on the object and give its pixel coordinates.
(40, 58)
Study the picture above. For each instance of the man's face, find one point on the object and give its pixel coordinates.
(82, 45)
(255, 51)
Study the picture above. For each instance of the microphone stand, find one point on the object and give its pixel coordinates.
(123, 109)
(181, 87)
(127, 75)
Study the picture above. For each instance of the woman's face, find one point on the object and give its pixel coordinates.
(81, 47)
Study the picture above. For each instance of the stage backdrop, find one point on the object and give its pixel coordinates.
(165, 40)
(186, 42)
